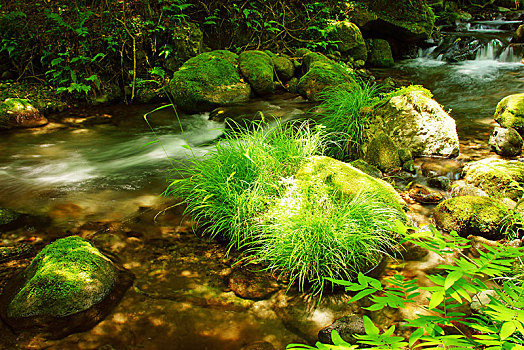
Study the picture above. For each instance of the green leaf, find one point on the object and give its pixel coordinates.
(370, 328)
(452, 278)
(508, 328)
(436, 299)
(415, 336)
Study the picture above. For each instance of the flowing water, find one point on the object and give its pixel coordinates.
(103, 182)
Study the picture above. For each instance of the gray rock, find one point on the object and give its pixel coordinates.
(441, 182)
(416, 122)
(506, 142)
(346, 327)
(480, 300)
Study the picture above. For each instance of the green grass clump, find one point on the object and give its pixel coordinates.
(346, 113)
(313, 232)
(227, 189)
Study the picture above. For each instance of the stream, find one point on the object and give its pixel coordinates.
(103, 182)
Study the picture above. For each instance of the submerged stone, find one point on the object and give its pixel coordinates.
(471, 215)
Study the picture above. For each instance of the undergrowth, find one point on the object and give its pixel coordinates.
(442, 323)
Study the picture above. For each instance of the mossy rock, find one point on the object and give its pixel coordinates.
(312, 57)
(367, 168)
(284, 68)
(510, 112)
(20, 113)
(383, 153)
(472, 215)
(207, 81)
(67, 276)
(257, 68)
(350, 42)
(322, 75)
(379, 53)
(498, 178)
(68, 287)
(403, 20)
(347, 179)
(188, 40)
(7, 216)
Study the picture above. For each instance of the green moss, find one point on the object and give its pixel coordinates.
(510, 112)
(67, 276)
(383, 153)
(284, 68)
(321, 75)
(472, 215)
(379, 53)
(499, 178)
(7, 216)
(208, 80)
(257, 68)
(347, 179)
(367, 168)
(349, 38)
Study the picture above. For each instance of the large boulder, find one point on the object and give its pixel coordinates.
(64, 281)
(498, 178)
(347, 179)
(403, 20)
(416, 122)
(207, 81)
(257, 68)
(350, 42)
(322, 73)
(506, 142)
(471, 215)
(284, 68)
(510, 112)
(20, 113)
(379, 53)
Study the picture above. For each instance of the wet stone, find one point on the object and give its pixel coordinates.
(440, 182)
(346, 327)
(252, 284)
(506, 142)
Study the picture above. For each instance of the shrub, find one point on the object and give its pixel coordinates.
(346, 114)
(227, 189)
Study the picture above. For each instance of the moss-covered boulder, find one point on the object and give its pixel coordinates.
(379, 53)
(416, 122)
(347, 179)
(497, 177)
(67, 276)
(510, 112)
(350, 42)
(367, 168)
(403, 20)
(472, 215)
(284, 68)
(207, 81)
(63, 282)
(20, 113)
(323, 73)
(313, 57)
(257, 68)
(383, 153)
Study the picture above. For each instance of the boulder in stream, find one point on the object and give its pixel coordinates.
(415, 121)
(20, 113)
(472, 215)
(379, 53)
(207, 81)
(257, 68)
(506, 142)
(510, 112)
(497, 177)
(68, 287)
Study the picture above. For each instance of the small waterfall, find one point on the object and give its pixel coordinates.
(490, 51)
(497, 50)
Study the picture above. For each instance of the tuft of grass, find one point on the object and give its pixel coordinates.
(313, 232)
(228, 189)
(346, 114)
